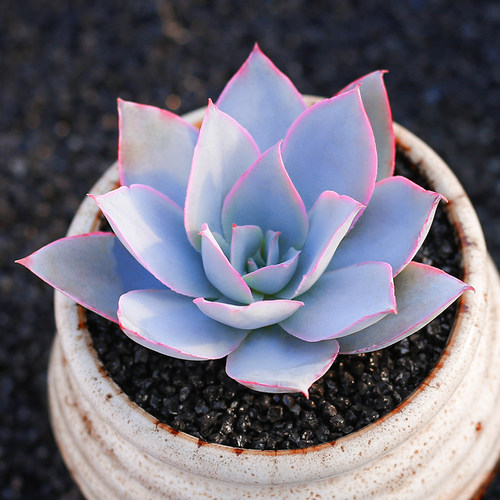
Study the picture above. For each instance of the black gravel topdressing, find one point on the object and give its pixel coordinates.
(200, 399)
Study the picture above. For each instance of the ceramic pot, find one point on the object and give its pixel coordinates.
(442, 442)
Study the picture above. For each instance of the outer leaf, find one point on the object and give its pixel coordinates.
(271, 279)
(223, 152)
(393, 226)
(329, 220)
(422, 292)
(155, 148)
(343, 302)
(246, 240)
(255, 315)
(377, 107)
(150, 226)
(171, 324)
(262, 99)
(265, 196)
(270, 360)
(92, 269)
(331, 147)
(219, 270)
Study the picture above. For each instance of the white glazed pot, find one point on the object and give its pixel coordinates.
(442, 442)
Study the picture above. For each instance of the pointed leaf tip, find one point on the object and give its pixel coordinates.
(92, 269)
(262, 99)
(256, 47)
(422, 293)
(270, 360)
(24, 261)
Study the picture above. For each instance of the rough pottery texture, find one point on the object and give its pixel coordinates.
(442, 442)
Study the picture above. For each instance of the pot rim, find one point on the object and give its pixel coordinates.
(190, 453)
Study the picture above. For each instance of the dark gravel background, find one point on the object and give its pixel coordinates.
(62, 65)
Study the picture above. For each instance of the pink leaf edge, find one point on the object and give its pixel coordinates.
(257, 52)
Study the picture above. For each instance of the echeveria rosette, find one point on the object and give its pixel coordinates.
(277, 235)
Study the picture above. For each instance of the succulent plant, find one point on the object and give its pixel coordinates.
(277, 235)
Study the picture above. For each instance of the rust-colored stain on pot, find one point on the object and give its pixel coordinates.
(87, 423)
(463, 307)
(82, 318)
(404, 147)
(488, 478)
(479, 427)
(97, 221)
(165, 427)
(102, 371)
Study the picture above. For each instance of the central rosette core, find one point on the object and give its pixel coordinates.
(267, 255)
(251, 266)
